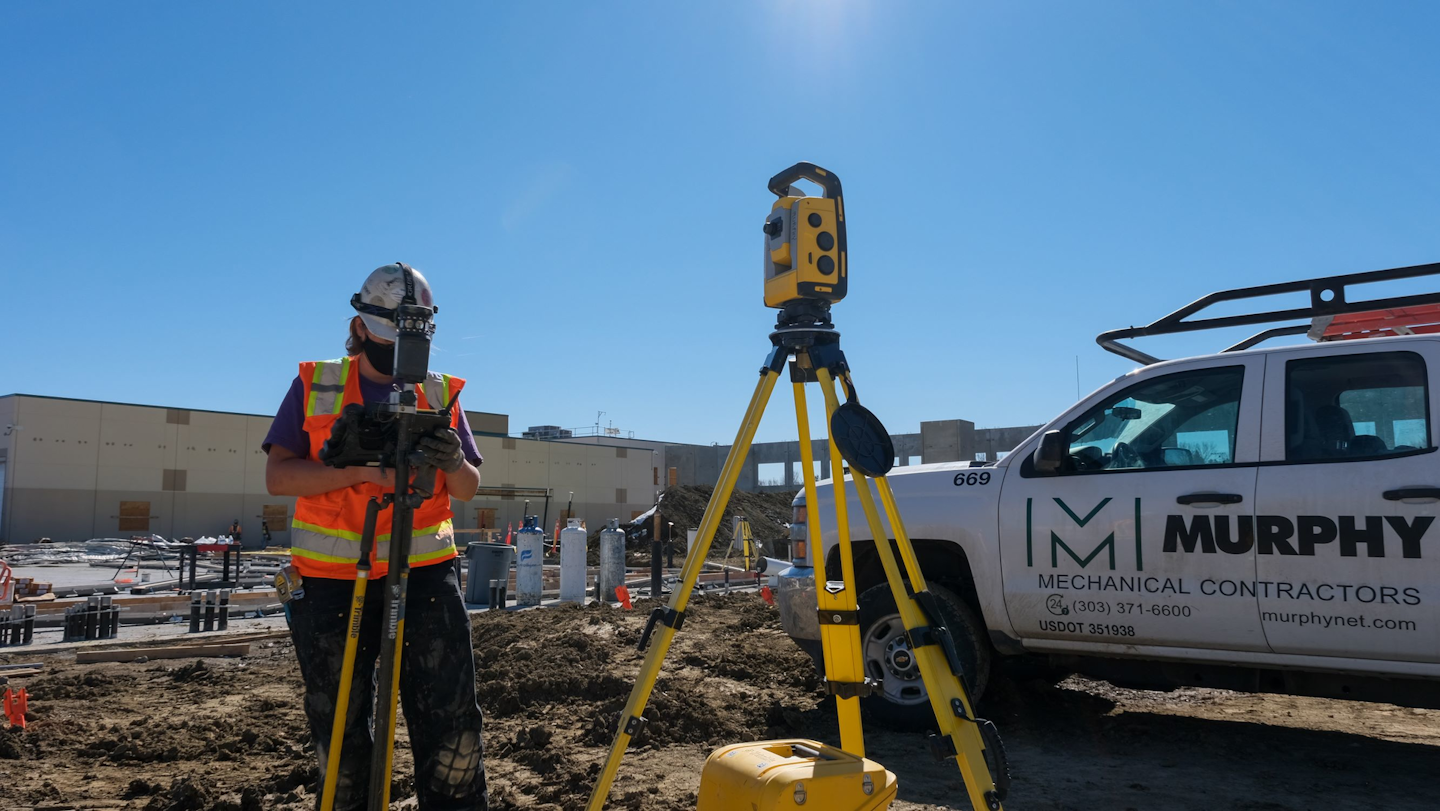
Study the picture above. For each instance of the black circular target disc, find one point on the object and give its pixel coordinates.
(862, 440)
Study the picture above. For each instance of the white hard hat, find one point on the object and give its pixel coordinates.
(385, 289)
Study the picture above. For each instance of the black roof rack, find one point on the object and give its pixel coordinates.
(1327, 298)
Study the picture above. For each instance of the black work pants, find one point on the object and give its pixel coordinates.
(437, 686)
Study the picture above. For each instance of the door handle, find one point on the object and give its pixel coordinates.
(1209, 498)
(1412, 492)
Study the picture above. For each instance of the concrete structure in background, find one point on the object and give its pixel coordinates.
(77, 469)
(775, 466)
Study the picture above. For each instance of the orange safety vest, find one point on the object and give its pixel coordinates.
(325, 535)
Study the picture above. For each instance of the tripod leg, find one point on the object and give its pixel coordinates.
(951, 706)
(670, 619)
(839, 622)
(347, 667)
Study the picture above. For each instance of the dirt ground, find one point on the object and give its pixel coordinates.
(226, 734)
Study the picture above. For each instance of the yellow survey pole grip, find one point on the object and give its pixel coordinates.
(694, 561)
(342, 700)
(394, 698)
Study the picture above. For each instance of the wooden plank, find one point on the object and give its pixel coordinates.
(9, 674)
(173, 652)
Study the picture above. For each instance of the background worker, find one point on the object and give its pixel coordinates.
(235, 530)
(437, 687)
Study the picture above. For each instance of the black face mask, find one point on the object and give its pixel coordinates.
(381, 356)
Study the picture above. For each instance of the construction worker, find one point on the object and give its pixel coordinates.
(235, 530)
(437, 688)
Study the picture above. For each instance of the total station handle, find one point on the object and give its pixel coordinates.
(804, 170)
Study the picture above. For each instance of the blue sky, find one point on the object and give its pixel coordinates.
(193, 191)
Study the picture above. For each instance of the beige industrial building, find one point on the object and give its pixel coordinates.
(77, 469)
(72, 470)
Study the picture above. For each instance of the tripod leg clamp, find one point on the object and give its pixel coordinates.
(634, 724)
(851, 689)
(838, 617)
(668, 616)
(937, 634)
(922, 636)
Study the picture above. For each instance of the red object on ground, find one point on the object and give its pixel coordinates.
(1383, 323)
(16, 705)
(767, 594)
(623, 595)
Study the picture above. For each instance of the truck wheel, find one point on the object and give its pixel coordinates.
(902, 702)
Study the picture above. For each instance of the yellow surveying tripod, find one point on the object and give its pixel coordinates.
(805, 273)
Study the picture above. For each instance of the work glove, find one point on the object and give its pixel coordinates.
(441, 449)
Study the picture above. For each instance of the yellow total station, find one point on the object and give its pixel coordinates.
(805, 239)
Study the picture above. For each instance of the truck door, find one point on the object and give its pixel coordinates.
(1348, 557)
(1142, 537)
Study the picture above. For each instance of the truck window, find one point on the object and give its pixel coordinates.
(1180, 420)
(1355, 406)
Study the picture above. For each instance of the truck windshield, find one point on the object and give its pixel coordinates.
(1178, 420)
(1121, 422)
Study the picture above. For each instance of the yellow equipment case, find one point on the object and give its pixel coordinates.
(793, 774)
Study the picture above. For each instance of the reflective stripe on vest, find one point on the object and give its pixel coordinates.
(327, 387)
(325, 545)
(437, 390)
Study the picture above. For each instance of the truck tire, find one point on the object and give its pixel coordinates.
(901, 701)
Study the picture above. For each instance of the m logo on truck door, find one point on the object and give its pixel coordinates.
(1088, 548)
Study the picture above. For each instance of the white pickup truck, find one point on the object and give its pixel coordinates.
(1257, 519)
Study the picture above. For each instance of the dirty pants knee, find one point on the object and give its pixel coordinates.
(437, 687)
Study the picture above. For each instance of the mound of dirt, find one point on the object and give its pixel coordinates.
(725, 681)
(769, 515)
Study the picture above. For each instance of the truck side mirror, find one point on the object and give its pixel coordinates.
(1051, 454)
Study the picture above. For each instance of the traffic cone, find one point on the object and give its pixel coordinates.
(509, 531)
